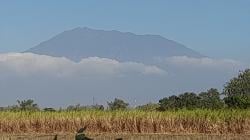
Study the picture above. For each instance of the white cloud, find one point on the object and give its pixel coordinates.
(26, 64)
(204, 62)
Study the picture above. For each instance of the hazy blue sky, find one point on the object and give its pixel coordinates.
(215, 28)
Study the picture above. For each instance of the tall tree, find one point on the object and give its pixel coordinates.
(169, 103)
(189, 100)
(211, 99)
(237, 91)
(239, 86)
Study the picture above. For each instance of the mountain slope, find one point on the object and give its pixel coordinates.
(84, 42)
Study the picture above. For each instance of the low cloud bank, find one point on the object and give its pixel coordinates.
(54, 81)
(26, 64)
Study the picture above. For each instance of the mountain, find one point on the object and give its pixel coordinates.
(123, 46)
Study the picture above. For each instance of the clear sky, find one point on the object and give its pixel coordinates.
(216, 28)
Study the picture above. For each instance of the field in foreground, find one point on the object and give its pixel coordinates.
(169, 122)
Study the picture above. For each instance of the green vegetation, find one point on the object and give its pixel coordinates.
(237, 91)
(236, 95)
(211, 99)
(204, 100)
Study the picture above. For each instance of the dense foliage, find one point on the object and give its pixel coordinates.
(237, 91)
(205, 100)
(239, 86)
(236, 95)
(211, 99)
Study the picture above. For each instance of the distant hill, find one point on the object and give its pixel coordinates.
(85, 42)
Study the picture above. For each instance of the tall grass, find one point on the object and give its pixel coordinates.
(170, 122)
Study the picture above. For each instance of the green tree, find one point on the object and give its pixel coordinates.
(169, 103)
(237, 102)
(118, 104)
(239, 86)
(189, 100)
(211, 99)
(27, 105)
(237, 91)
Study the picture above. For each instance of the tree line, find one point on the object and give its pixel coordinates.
(236, 94)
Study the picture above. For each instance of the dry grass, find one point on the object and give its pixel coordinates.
(170, 122)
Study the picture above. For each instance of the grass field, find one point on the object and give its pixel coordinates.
(169, 122)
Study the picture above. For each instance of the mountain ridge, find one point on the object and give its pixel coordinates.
(85, 42)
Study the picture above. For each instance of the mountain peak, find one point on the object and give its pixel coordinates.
(82, 42)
